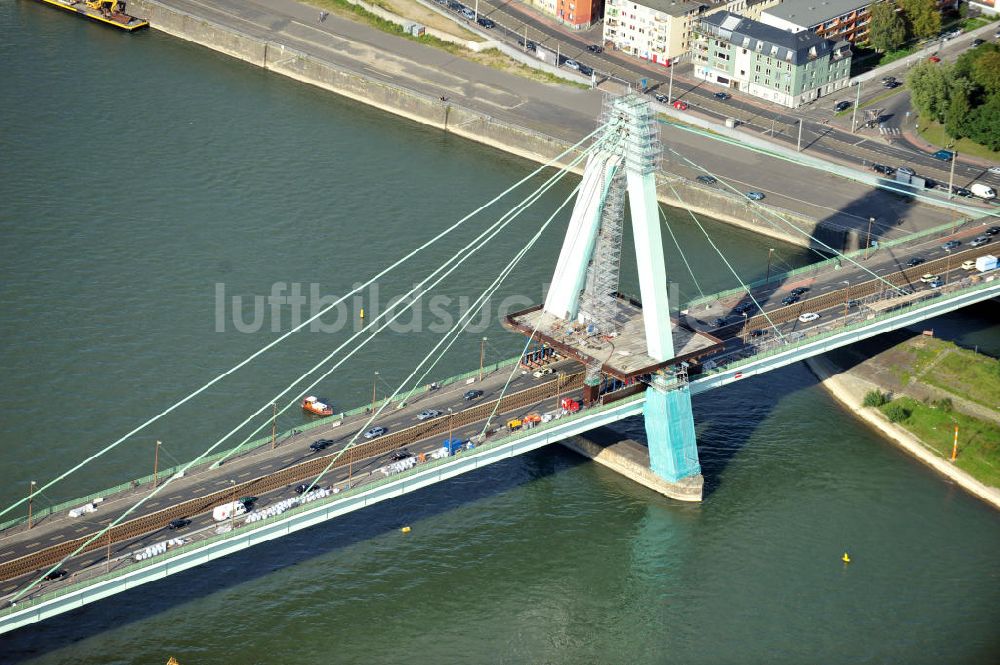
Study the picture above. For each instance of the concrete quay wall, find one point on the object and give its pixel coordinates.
(477, 126)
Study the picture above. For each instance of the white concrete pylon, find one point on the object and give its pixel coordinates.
(636, 150)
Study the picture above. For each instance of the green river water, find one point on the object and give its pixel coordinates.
(141, 177)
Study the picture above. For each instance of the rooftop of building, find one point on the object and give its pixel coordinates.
(672, 7)
(810, 13)
(796, 48)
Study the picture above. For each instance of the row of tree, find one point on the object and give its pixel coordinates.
(894, 22)
(965, 97)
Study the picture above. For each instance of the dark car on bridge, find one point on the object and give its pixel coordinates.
(944, 155)
(799, 290)
(594, 48)
(472, 394)
(993, 230)
(915, 261)
(322, 444)
(842, 106)
(883, 169)
(950, 245)
(56, 575)
(375, 432)
(722, 95)
(707, 179)
(789, 300)
(178, 524)
(486, 23)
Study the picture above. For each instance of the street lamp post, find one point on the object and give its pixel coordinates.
(847, 300)
(232, 506)
(947, 266)
(854, 113)
(451, 426)
(482, 356)
(670, 87)
(374, 382)
(767, 278)
(798, 144)
(951, 176)
(868, 242)
(31, 497)
(745, 338)
(156, 463)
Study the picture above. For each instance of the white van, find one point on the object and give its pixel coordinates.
(983, 191)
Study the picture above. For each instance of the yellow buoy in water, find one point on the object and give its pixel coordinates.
(845, 558)
(405, 529)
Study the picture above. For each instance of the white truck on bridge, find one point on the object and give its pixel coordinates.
(986, 263)
(983, 191)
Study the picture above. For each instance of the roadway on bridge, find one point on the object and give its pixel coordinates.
(17, 542)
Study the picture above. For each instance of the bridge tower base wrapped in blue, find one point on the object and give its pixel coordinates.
(673, 450)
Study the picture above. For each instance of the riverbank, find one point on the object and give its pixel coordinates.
(850, 386)
(532, 120)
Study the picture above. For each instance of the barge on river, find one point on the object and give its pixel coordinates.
(109, 12)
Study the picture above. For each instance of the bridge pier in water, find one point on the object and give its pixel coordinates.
(673, 450)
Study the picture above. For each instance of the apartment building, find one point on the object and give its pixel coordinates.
(831, 19)
(577, 14)
(660, 30)
(786, 68)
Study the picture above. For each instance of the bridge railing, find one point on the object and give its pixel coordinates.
(244, 529)
(39, 513)
(904, 309)
(941, 230)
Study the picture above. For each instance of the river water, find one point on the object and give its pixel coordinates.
(146, 182)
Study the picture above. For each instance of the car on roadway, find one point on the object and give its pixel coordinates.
(944, 155)
(572, 64)
(968, 265)
(428, 414)
(808, 316)
(56, 575)
(934, 58)
(455, 6)
(321, 444)
(978, 42)
(790, 300)
(660, 97)
(758, 332)
(799, 290)
(680, 106)
(300, 489)
(980, 241)
(585, 70)
(707, 179)
(744, 308)
(928, 277)
(539, 373)
(375, 432)
(962, 191)
(401, 455)
(247, 501)
(528, 46)
(950, 245)
(468, 13)
(486, 23)
(936, 284)
(915, 261)
(595, 48)
(179, 524)
(719, 322)
(883, 169)
(907, 170)
(722, 95)
(755, 196)
(891, 84)
(995, 170)
(842, 106)
(992, 231)
(472, 394)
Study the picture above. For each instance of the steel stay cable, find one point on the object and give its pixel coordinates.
(493, 229)
(481, 300)
(728, 265)
(764, 209)
(483, 239)
(295, 329)
(678, 245)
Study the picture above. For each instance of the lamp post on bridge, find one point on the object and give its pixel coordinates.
(31, 497)
(847, 301)
(374, 382)
(767, 278)
(947, 266)
(451, 426)
(156, 463)
(482, 356)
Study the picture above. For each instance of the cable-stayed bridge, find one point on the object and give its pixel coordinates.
(610, 355)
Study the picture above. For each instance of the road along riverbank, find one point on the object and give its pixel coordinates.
(850, 389)
(529, 119)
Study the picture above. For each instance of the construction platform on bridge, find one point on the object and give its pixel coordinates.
(622, 355)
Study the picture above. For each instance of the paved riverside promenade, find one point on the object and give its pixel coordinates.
(525, 117)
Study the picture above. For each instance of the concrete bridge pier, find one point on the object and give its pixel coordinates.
(673, 450)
